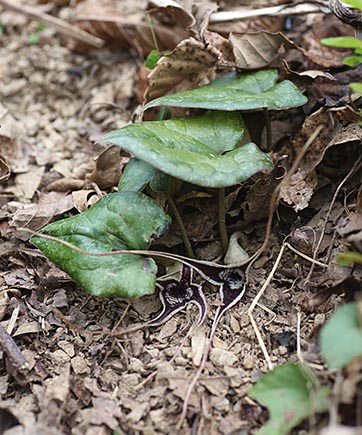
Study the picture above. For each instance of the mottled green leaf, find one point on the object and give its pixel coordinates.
(341, 337)
(191, 149)
(290, 395)
(125, 220)
(250, 91)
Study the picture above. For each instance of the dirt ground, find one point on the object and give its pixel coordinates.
(54, 103)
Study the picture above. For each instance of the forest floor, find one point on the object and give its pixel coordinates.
(55, 102)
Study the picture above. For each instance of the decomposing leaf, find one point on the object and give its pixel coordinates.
(35, 216)
(249, 91)
(191, 148)
(257, 50)
(190, 63)
(121, 29)
(300, 189)
(341, 336)
(108, 168)
(118, 221)
(290, 395)
(180, 14)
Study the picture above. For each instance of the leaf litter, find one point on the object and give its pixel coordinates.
(78, 380)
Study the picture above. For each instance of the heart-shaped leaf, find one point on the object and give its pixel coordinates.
(191, 148)
(341, 337)
(291, 395)
(126, 220)
(251, 91)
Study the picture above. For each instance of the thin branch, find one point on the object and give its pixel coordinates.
(60, 25)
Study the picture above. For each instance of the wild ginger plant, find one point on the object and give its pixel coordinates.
(207, 150)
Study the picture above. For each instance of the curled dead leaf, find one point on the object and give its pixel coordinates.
(192, 62)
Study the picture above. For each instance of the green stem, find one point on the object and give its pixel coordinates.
(269, 136)
(152, 32)
(222, 223)
(185, 237)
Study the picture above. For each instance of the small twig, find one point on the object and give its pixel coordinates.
(354, 168)
(246, 14)
(256, 300)
(222, 221)
(181, 225)
(60, 25)
(299, 348)
(306, 257)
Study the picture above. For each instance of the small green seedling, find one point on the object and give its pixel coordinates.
(35, 36)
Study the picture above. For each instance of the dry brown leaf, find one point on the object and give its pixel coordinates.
(324, 27)
(190, 63)
(302, 184)
(181, 15)
(193, 15)
(26, 184)
(83, 199)
(198, 340)
(109, 165)
(35, 216)
(121, 29)
(258, 50)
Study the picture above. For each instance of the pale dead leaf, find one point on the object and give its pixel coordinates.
(299, 190)
(258, 50)
(83, 199)
(28, 182)
(58, 387)
(198, 340)
(221, 357)
(35, 216)
(341, 430)
(217, 387)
